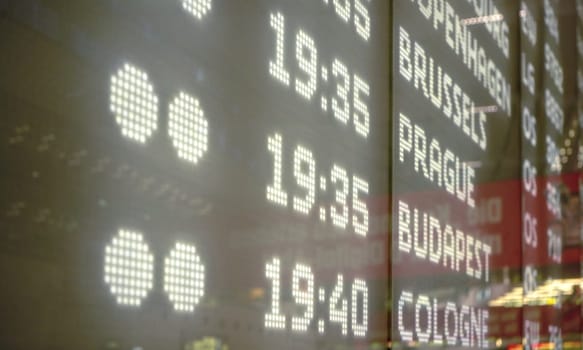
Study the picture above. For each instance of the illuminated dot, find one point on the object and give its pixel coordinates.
(324, 103)
(134, 103)
(188, 128)
(322, 214)
(184, 277)
(197, 8)
(322, 295)
(325, 74)
(342, 8)
(129, 268)
(323, 183)
(321, 327)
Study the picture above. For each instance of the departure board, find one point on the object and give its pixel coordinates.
(194, 174)
(456, 195)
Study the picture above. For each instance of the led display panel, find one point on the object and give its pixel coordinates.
(194, 174)
(455, 179)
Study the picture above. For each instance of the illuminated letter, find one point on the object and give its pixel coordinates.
(423, 302)
(404, 228)
(448, 247)
(420, 151)
(435, 240)
(420, 62)
(465, 325)
(405, 54)
(420, 249)
(449, 172)
(405, 137)
(450, 309)
(435, 162)
(460, 251)
(406, 297)
(469, 255)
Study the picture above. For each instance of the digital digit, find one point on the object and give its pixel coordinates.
(552, 156)
(362, 19)
(554, 245)
(359, 208)
(530, 230)
(361, 114)
(340, 104)
(129, 268)
(305, 175)
(339, 306)
(184, 277)
(274, 319)
(133, 102)
(307, 56)
(303, 294)
(343, 10)
(529, 178)
(532, 334)
(555, 337)
(359, 312)
(274, 192)
(529, 126)
(530, 279)
(277, 68)
(188, 128)
(339, 210)
(553, 200)
(553, 111)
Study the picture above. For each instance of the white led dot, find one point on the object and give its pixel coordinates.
(197, 8)
(324, 103)
(342, 8)
(322, 214)
(188, 128)
(184, 277)
(129, 268)
(133, 102)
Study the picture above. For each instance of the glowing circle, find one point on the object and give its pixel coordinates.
(198, 8)
(184, 277)
(134, 103)
(188, 128)
(129, 268)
